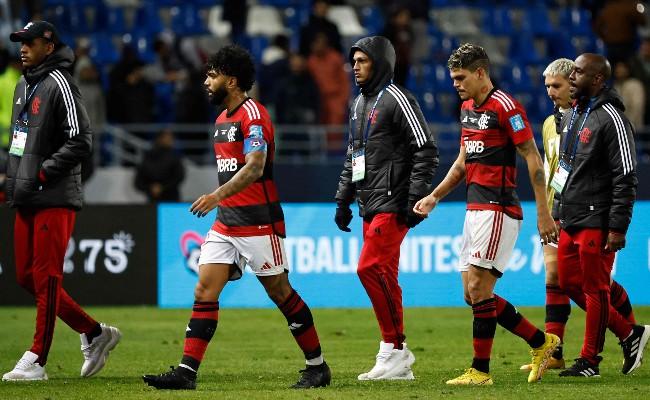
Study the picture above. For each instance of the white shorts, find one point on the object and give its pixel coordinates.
(488, 240)
(265, 255)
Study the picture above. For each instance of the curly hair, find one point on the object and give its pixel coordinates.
(235, 61)
(469, 56)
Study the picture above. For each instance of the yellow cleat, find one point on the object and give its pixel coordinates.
(541, 357)
(553, 363)
(472, 377)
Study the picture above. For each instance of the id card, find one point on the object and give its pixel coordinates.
(19, 139)
(560, 177)
(358, 165)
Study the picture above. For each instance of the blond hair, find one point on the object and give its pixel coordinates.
(561, 66)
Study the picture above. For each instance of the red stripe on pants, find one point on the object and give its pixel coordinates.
(584, 270)
(40, 240)
(378, 270)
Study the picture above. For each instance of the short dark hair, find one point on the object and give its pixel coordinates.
(235, 61)
(469, 56)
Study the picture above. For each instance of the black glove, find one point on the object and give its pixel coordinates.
(343, 217)
(412, 219)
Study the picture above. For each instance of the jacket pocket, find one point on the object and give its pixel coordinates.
(27, 173)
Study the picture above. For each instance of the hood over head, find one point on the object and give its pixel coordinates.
(381, 52)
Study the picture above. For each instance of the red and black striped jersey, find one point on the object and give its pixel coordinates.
(256, 210)
(490, 132)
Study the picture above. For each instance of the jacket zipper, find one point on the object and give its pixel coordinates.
(388, 178)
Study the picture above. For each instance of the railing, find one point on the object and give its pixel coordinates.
(295, 144)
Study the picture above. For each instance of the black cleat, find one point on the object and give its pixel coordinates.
(582, 368)
(633, 348)
(175, 379)
(314, 376)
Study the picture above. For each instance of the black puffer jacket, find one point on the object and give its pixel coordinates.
(601, 188)
(58, 137)
(401, 153)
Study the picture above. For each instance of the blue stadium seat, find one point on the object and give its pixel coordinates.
(164, 102)
(536, 21)
(372, 19)
(112, 20)
(256, 45)
(147, 18)
(523, 51)
(187, 21)
(559, 45)
(517, 78)
(498, 21)
(577, 20)
(141, 41)
(102, 49)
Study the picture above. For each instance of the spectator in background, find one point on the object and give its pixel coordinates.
(130, 96)
(275, 60)
(297, 103)
(8, 79)
(640, 67)
(298, 96)
(616, 24)
(326, 66)
(632, 92)
(167, 66)
(87, 76)
(236, 12)
(400, 33)
(161, 172)
(319, 23)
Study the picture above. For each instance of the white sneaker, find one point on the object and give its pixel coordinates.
(391, 364)
(96, 353)
(26, 369)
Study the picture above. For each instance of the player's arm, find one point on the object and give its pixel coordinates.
(547, 229)
(621, 157)
(454, 177)
(250, 172)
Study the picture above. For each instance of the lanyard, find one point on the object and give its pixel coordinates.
(372, 114)
(28, 99)
(575, 141)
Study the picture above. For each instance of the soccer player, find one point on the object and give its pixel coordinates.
(494, 129)
(558, 307)
(595, 184)
(390, 163)
(249, 228)
(51, 137)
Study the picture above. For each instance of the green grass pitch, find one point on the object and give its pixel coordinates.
(253, 356)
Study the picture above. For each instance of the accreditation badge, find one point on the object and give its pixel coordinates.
(561, 175)
(358, 165)
(19, 139)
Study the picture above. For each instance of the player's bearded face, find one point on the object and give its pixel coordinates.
(218, 95)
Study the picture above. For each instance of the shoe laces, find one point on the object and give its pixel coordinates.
(24, 364)
(383, 356)
(307, 374)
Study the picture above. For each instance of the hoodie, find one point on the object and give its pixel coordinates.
(601, 187)
(400, 152)
(48, 173)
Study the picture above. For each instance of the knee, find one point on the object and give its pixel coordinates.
(552, 277)
(365, 270)
(279, 293)
(474, 291)
(203, 292)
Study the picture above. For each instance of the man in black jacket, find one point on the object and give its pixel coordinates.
(391, 160)
(595, 187)
(51, 136)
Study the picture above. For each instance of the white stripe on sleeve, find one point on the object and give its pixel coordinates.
(68, 100)
(623, 144)
(411, 117)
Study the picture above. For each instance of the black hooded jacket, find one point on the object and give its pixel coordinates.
(400, 154)
(58, 137)
(601, 188)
